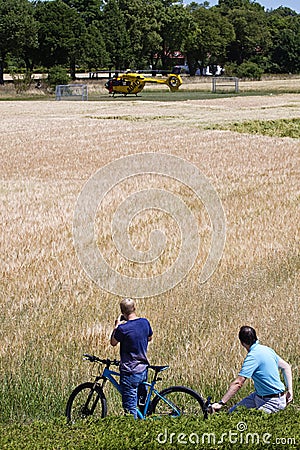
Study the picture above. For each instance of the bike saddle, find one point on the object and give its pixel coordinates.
(158, 368)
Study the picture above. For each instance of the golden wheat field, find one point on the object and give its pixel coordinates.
(51, 312)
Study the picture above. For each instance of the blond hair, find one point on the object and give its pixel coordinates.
(127, 306)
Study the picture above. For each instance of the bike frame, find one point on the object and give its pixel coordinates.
(108, 375)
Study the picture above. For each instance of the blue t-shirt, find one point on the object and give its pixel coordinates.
(261, 364)
(133, 337)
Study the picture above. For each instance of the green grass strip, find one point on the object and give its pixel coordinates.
(241, 430)
(277, 128)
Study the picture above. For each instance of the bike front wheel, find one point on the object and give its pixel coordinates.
(177, 401)
(85, 401)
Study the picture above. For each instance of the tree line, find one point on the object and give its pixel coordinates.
(139, 34)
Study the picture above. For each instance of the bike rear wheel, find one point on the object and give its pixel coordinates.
(181, 400)
(85, 401)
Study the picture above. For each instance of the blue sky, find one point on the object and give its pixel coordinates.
(268, 4)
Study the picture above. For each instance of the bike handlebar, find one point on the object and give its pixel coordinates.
(107, 362)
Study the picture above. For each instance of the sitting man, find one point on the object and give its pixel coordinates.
(133, 333)
(261, 364)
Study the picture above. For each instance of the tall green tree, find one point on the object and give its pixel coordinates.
(62, 34)
(18, 29)
(151, 28)
(175, 22)
(115, 35)
(208, 38)
(143, 27)
(252, 35)
(95, 53)
(91, 12)
(284, 25)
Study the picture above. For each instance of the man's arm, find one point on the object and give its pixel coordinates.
(234, 387)
(288, 378)
(113, 340)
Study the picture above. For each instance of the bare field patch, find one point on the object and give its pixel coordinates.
(52, 312)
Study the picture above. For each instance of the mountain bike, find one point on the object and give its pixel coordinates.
(88, 399)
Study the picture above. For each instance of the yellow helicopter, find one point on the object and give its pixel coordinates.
(133, 83)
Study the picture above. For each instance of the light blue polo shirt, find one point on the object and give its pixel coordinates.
(261, 364)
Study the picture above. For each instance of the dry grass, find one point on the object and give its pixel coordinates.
(288, 84)
(51, 311)
(204, 84)
(96, 89)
